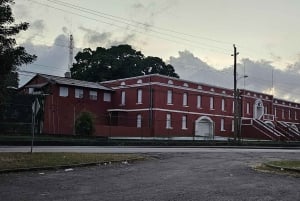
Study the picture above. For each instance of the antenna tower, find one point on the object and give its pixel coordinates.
(71, 48)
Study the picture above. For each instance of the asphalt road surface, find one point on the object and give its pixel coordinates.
(126, 149)
(198, 175)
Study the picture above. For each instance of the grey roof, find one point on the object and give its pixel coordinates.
(36, 85)
(73, 82)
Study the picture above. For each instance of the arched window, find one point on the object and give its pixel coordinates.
(170, 82)
(185, 85)
(139, 81)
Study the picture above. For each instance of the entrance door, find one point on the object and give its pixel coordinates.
(204, 127)
(258, 110)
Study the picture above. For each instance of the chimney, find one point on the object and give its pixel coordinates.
(68, 74)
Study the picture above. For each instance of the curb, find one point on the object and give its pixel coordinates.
(282, 168)
(68, 166)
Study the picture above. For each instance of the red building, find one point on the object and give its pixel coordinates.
(156, 106)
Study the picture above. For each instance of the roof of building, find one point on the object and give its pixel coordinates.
(72, 82)
(38, 86)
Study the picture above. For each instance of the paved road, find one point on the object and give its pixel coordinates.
(94, 149)
(205, 174)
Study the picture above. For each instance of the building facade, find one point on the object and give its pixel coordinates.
(156, 106)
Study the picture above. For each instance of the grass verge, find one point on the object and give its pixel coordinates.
(294, 164)
(288, 167)
(22, 161)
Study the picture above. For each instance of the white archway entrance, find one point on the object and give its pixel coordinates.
(293, 126)
(270, 124)
(204, 127)
(258, 109)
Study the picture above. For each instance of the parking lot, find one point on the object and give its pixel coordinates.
(201, 175)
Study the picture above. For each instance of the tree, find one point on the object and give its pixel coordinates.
(116, 62)
(11, 56)
(84, 124)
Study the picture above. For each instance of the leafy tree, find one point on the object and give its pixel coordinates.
(84, 124)
(116, 62)
(11, 56)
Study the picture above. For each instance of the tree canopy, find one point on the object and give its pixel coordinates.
(117, 62)
(11, 55)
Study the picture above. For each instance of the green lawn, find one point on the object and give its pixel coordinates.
(293, 164)
(28, 160)
(286, 167)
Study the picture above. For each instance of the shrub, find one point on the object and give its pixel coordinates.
(84, 124)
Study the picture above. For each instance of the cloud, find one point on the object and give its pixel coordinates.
(148, 11)
(125, 40)
(20, 11)
(93, 38)
(51, 60)
(262, 76)
(38, 25)
(137, 6)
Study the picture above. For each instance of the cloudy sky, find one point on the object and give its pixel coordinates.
(195, 36)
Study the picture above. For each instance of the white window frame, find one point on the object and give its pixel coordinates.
(199, 101)
(63, 91)
(139, 96)
(223, 104)
(296, 115)
(222, 124)
(168, 121)
(282, 114)
(232, 125)
(248, 108)
(139, 121)
(123, 98)
(184, 122)
(170, 97)
(185, 99)
(266, 109)
(290, 116)
(233, 107)
(211, 103)
(30, 90)
(106, 97)
(78, 93)
(93, 95)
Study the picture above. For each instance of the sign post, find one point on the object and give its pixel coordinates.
(35, 108)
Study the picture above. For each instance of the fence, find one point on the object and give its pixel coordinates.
(16, 115)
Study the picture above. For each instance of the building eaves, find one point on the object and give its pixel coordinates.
(73, 82)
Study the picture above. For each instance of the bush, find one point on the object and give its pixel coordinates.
(84, 124)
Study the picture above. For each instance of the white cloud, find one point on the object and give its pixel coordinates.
(285, 82)
(50, 59)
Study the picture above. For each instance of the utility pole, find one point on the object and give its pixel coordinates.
(235, 94)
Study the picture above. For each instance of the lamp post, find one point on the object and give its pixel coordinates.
(235, 95)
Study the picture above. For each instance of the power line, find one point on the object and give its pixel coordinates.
(183, 40)
(134, 21)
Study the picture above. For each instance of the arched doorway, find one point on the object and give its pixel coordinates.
(258, 110)
(204, 127)
(270, 124)
(293, 126)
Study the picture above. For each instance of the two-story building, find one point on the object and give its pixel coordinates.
(156, 106)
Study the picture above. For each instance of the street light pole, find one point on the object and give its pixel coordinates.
(235, 94)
